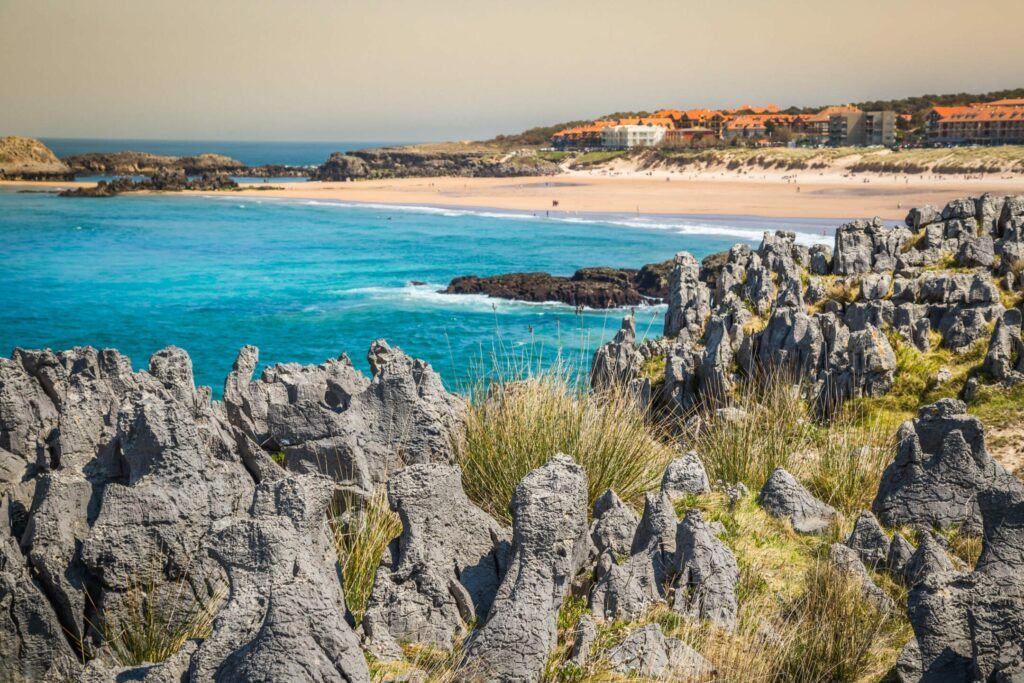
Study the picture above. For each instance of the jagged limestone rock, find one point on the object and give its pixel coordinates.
(549, 544)
(941, 465)
(583, 640)
(333, 420)
(689, 301)
(33, 646)
(868, 540)
(847, 561)
(647, 652)
(614, 524)
(1004, 361)
(899, 555)
(685, 476)
(444, 570)
(629, 588)
(784, 497)
(284, 616)
(706, 574)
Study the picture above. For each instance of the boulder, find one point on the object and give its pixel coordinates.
(940, 468)
(784, 497)
(685, 476)
(706, 574)
(617, 363)
(284, 618)
(628, 588)
(1004, 361)
(443, 571)
(868, 540)
(848, 562)
(646, 652)
(549, 527)
(614, 525)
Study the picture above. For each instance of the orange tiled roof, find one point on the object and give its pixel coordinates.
(823, 115)
(983, 114)
(1007, 103)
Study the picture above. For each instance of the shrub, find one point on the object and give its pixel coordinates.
(514, 427)
(159, 621)
(361, 536)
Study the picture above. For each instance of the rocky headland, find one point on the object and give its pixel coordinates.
(409, 162)
(122, 490)
(29, 159)
(144, 163)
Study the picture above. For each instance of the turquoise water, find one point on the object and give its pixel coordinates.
(306, 281)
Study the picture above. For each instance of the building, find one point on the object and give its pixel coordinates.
(685, 137)
(983, 123)
(862, 128)
(631, 135)
(816, 126)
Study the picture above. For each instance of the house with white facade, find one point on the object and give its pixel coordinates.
(629, 136)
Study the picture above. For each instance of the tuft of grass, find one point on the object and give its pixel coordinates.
(772, 428)
(361, 537)
(515, 427)
(835, 634)
(159, 622)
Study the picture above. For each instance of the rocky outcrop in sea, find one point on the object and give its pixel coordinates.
(589, 287)
(410, 162)
(163, 181)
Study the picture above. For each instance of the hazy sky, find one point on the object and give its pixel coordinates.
(459, 69)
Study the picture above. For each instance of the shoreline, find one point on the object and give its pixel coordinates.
(629, 193)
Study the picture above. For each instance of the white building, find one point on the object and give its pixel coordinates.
(626, 137)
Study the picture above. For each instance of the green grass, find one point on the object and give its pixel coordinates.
(515, 427)
(159, 622)
(595, 158)
(361, 537)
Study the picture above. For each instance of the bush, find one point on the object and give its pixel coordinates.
(515, 427)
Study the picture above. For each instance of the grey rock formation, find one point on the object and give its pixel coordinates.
(284, 617)
(940, 468)
(821, 259)
(549, 527)
(618, 362)
(685, 476)
(629, 588)
(864, 246)
(930, 558)
(443, 571)
(648, 653)
(848, 562)
(1004, 360)
(33, 646)
(331, 419)
(784, 497)
(583, 641)
(689, 301)
(614, 525)
(899, 556)
(868, 540)
(706, 574)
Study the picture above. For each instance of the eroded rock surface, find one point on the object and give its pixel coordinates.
(784, 497)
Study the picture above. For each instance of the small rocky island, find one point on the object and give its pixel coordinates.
(588, 287)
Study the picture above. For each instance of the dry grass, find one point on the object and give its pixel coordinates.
(156, 626)
(515, 427)
(361, 537)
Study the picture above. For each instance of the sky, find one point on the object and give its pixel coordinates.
(469, 69)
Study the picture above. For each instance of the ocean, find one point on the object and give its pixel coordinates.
(306, 280)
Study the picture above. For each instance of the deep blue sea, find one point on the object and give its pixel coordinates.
(306, 281)
(251, 153)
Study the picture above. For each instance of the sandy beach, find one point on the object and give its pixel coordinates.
(626, 191)
(770, 195)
